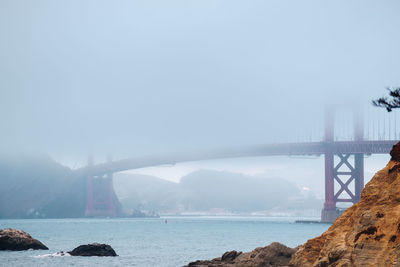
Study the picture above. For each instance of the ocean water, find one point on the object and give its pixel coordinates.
(152, 242)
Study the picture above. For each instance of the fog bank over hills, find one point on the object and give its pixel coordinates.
(214, 192)
(38, 187)
(35, 186)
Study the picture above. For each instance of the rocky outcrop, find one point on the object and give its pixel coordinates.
(13, 239)
(94, 249)
(275, 255)
(366, 234)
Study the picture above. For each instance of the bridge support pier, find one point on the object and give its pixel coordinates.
(100, 194)
(359, 174)
(329, 212)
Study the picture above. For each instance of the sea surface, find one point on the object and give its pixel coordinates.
(152, 242)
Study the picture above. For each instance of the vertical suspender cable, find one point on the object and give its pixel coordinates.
(389, 121)
(394, 126)
(384, 126)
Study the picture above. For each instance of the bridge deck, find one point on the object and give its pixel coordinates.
(288, 149)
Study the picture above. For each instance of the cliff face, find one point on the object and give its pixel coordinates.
(368, 233)
(274, 255)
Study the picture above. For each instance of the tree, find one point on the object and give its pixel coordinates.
(389, 103)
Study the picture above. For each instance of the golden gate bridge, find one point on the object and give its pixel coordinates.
(344, 162)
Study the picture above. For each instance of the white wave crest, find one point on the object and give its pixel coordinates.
(57, 254)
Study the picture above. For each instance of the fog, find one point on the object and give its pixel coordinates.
(133, 78)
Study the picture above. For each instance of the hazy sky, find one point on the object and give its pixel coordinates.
(144, 77)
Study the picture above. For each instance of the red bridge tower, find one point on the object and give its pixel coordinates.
(341, 168)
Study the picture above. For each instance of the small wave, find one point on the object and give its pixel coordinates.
(58, 254)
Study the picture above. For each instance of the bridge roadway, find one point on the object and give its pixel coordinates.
(285, 149)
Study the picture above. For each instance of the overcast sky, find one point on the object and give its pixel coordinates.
(133, 78)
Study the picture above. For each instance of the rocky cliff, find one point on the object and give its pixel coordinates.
(368, 233)
(274, 255)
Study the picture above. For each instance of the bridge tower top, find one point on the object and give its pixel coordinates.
(358, 123)
(329, 123)
(90, 160)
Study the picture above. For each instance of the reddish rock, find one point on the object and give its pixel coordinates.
(395, 152)
(368, 233)
(274, 255)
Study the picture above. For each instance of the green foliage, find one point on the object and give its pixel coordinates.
(389, 103)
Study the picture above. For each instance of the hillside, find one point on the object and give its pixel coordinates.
(144, 192)
(211, 191)
(38, 187)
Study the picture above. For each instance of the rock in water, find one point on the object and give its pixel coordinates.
(274, 255)
(94, 249)
(13, 239)
(368, 233)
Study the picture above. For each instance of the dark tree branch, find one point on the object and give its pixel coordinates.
(389, 103)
